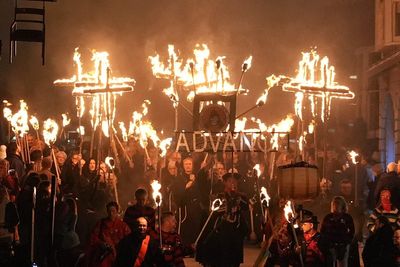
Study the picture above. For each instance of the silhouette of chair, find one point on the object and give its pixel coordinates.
(28, 25)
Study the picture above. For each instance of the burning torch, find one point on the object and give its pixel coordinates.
(110, 162)
(289, 215)
(354, 155)
(156, 186)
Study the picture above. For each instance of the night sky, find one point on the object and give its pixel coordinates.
(273, 31)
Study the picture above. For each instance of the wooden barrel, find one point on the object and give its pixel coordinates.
(298, 181)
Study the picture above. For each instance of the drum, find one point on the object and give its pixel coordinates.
(298, 181)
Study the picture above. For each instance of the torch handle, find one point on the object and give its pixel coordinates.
(296, 241)
(204, 227)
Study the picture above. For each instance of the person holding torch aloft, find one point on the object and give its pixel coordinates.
(221, 243)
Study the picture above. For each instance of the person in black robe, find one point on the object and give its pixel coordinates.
(221, 244)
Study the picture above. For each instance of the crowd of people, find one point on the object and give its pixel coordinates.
(66, 208)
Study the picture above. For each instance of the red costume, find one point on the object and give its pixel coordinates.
(103, 241)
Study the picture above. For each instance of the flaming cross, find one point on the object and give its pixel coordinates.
(98, 84)
(98, 80)
(199, 75)
(316, 79)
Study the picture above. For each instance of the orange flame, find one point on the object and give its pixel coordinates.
(19, 121)
(257, 169)
(199, 75)
(34, 122)
(288, 211)
(81, 130)
(317, 78)
(265, 198)
(164, 145)
(156, 187)
(66, 120)
(50, 130)
(353, 155)
(7, 113)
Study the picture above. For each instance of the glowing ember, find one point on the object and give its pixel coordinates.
(353, 155)
(288, 211)
(216, 204)
(156, 187)
(66, 120)
(50, 130)
(34, 122)
(264, 196)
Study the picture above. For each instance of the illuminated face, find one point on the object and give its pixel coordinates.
(188, 165)
(220, 169)
(307, 227)
(103, 169)
(385, 197)
(60, 160)
(142, 225)
(92, 165)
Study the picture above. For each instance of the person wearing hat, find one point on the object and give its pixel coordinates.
(310, 245)
(221, 244)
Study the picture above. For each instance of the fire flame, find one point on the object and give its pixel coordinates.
(164, 145)
(100, 85)
(353, 155)
(311, 127)
(34, 122)
(123, 131)
(81, 130)
(257, 169)
(109, 161)
(19, 121)
(289, 214)
(7, 113)
(265, 198)
(156, 187)
(66, 120)
(271, 82)
(315, 77)
(50, 130)
(198, 75)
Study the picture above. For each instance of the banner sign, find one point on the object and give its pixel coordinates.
(199, 141)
